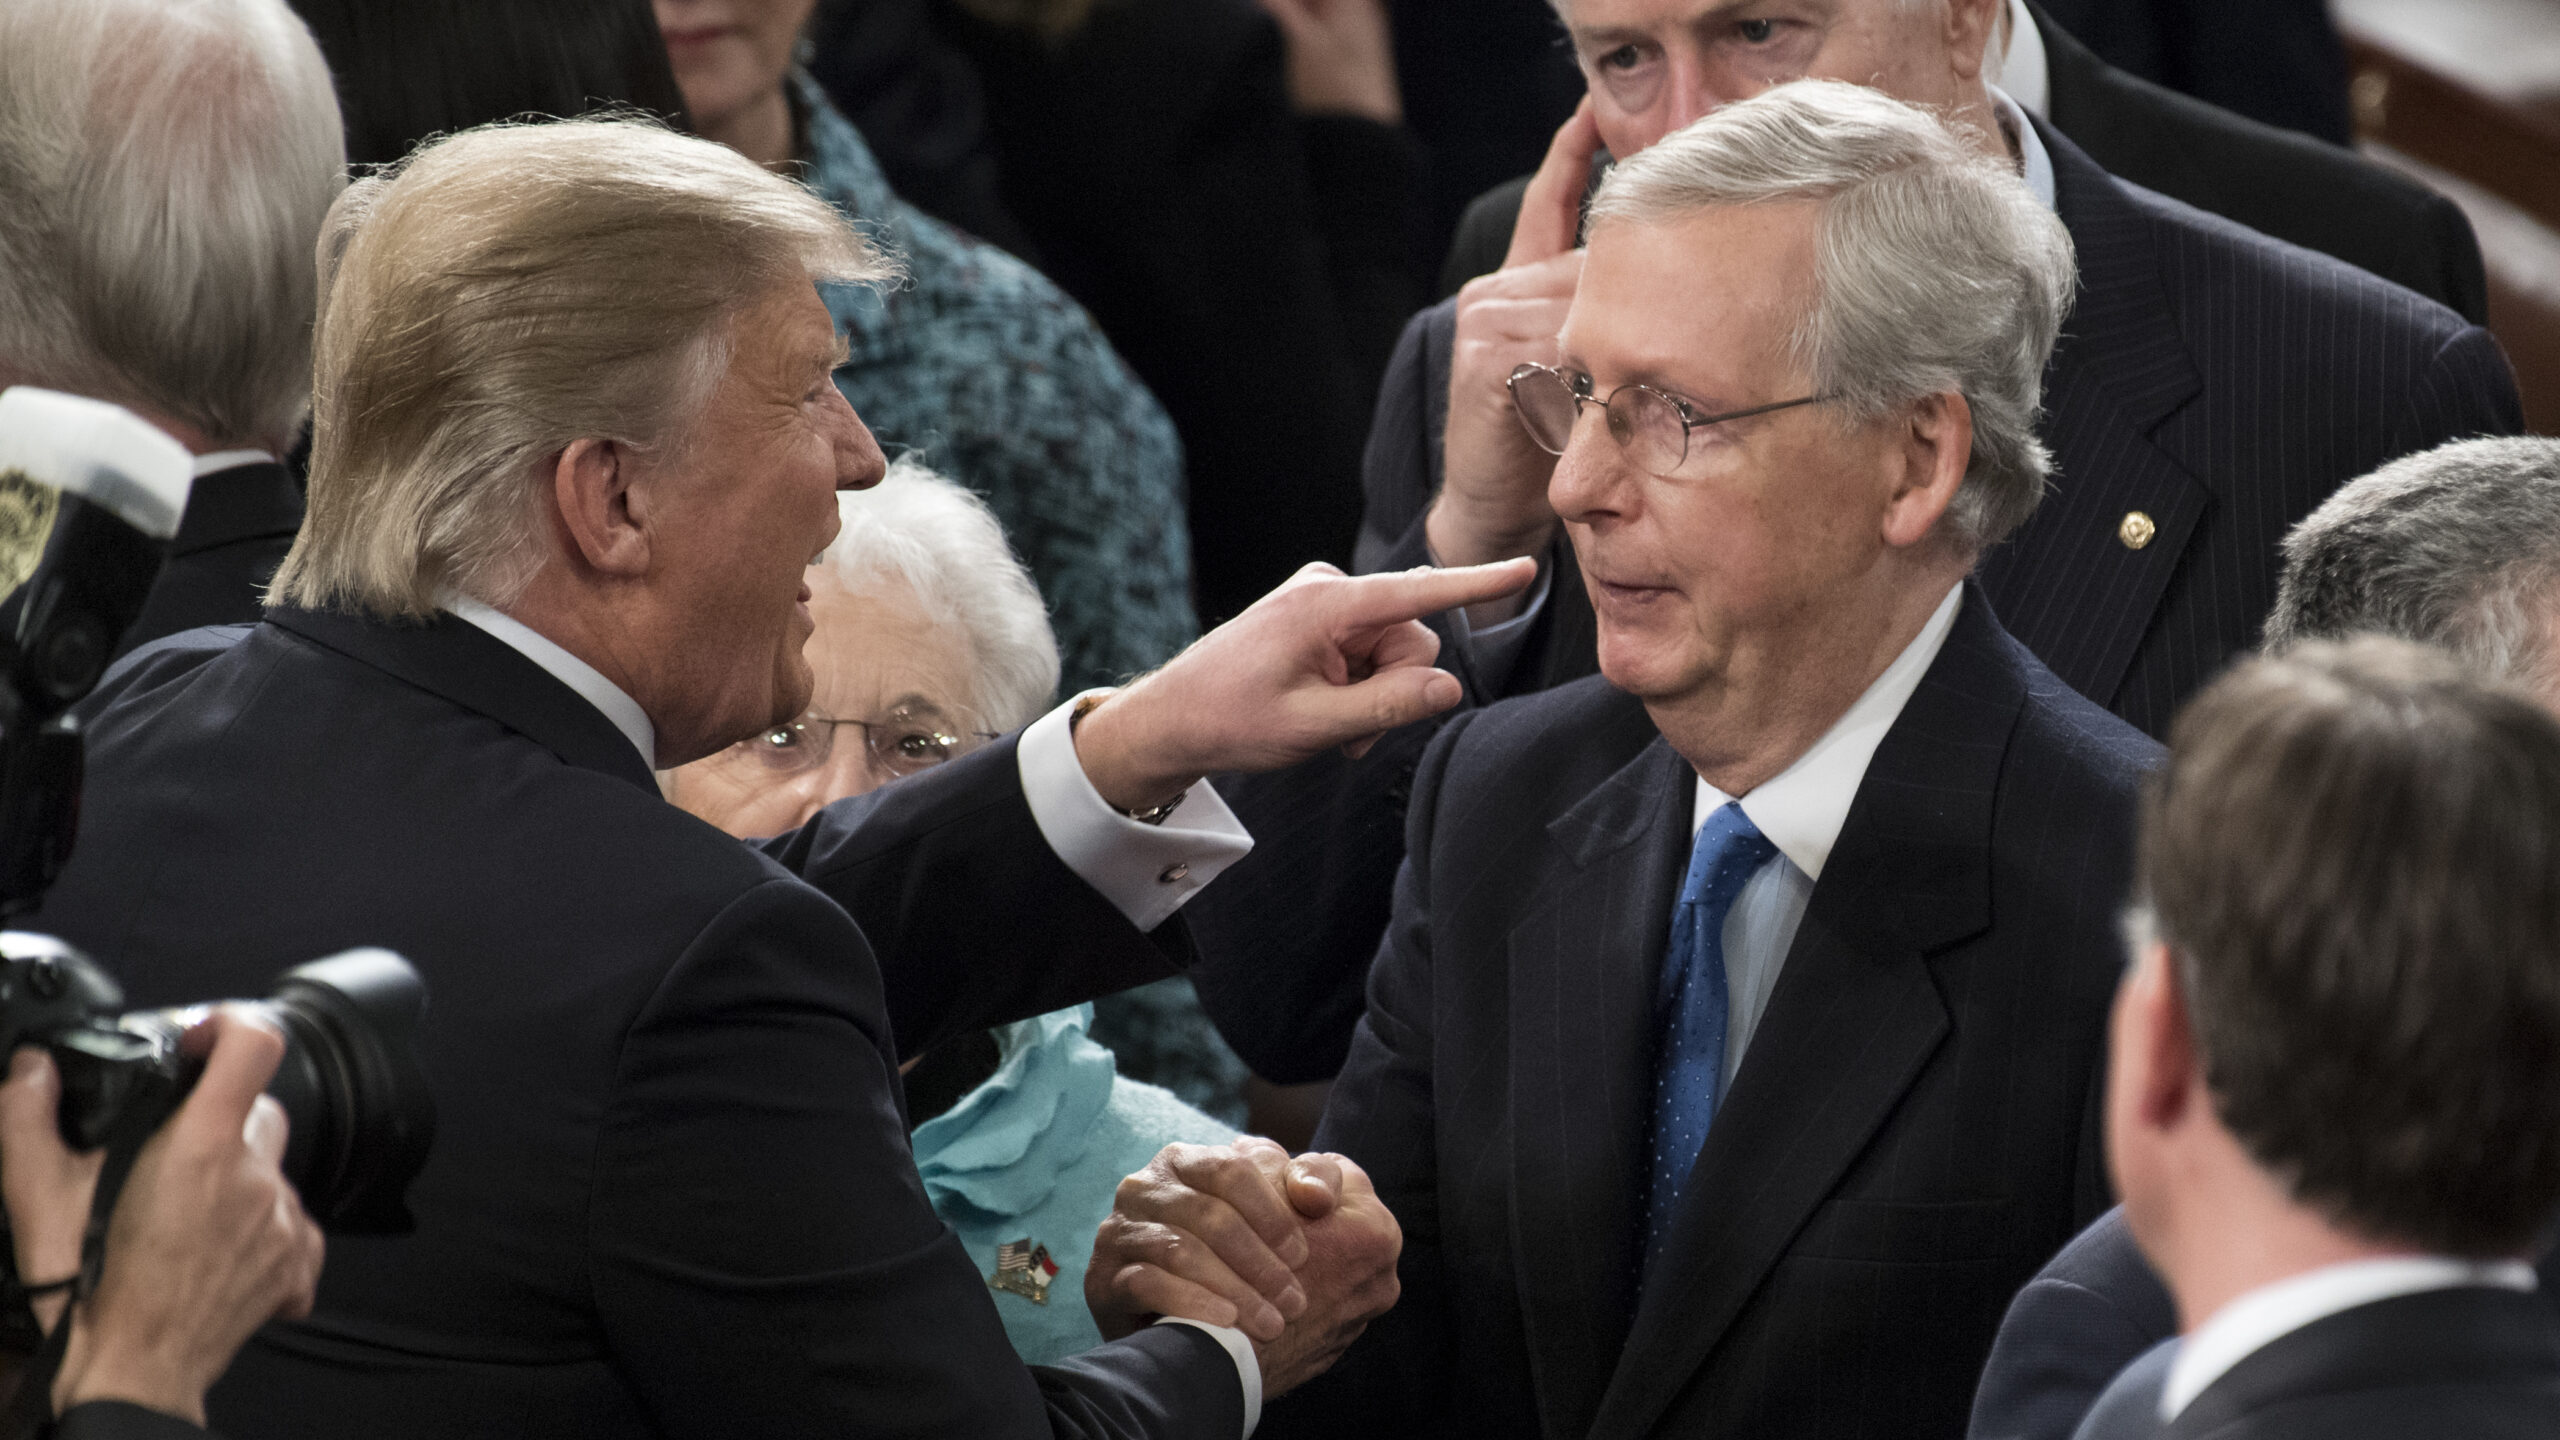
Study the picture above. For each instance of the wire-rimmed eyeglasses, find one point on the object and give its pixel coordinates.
(906, 741)
(1651, 425)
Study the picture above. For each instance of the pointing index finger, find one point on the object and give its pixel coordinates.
(1392, 599)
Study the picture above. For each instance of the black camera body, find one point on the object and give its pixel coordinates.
(361, 1117)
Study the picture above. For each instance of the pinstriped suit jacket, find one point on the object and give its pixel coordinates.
(1911, 1133)
(2218, 382)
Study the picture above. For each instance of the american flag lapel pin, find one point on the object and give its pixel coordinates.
(1023, 1268)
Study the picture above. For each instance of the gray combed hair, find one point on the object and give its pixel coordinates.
(1937, 270)
(2457, 547)
(502, 293)
(918, 529)
(164, 167)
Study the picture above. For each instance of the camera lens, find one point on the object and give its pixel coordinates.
(363, 1119)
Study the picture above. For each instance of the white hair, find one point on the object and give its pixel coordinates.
(918, 529)
(2457, 547)
(164, 169)
(1936, 270)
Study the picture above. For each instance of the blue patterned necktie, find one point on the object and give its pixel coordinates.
(1694, 1006)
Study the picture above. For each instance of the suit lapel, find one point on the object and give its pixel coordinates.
(1583, 966)
(474, 669)
(1854, 1019)
(2069, 585)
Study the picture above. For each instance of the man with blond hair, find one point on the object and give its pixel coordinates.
(166, 165)
(575, 441)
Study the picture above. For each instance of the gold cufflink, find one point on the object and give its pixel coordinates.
(1173, 873)
(2136, 530)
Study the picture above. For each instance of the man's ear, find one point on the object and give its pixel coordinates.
(1934, 445)
(603, 512)
(2171, 1081)
(1969, 28)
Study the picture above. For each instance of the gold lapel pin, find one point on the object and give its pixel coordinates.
(2136, 530)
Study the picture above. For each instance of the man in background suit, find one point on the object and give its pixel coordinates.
(576, 442)
(2275, 181)
(1737, 1029)
(2455, 548)
(217, 120)
(2349, 922)
(2211, 386)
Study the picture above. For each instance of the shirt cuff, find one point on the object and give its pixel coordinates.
(1145, 871)
(1493, 650)
(1248, 1367)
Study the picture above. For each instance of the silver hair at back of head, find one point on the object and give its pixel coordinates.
(2457, 547)
(1937, 271)
(164, 168)
(505, 292)
(918, 529)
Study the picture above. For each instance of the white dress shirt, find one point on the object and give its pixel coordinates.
(2024, 72)
(2267, 1314)
(1801, 810)
(1145, 871)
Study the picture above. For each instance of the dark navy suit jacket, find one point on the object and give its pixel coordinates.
(2218, 382)
(671, 1192)
(2466, 1364)
(2091, 1311)
(1913, 1129)
(238, 526)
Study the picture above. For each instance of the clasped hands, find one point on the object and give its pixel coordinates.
(1300, 1254)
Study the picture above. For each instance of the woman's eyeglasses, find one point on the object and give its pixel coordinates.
(902, 743)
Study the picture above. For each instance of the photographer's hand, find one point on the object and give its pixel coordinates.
(44, 1184)
(207, 1243)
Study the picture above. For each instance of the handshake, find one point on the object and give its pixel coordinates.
(1300, 1254)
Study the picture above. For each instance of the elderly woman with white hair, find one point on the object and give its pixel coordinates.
(931, 640)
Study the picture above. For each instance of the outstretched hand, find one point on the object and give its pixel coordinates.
(1325, 661)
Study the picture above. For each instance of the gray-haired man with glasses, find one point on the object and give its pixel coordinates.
(1730, 1056)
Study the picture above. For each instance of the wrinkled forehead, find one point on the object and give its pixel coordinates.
(1705, 298)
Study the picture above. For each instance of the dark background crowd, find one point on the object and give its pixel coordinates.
(2062, 945)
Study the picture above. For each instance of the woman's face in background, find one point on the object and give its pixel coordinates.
(893, 693)
(730, 54)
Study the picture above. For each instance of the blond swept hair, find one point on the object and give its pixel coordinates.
(500, 294)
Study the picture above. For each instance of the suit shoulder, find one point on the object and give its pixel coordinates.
(2213, 266)
(2097, 751)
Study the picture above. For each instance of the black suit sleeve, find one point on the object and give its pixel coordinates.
(975, 920)
(762, 1254)
(1381, 1113)
(116, 1420)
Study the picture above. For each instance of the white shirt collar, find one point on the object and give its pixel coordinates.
(2023, 72)
(1802, 807)
(568, 669)
(214, 460)
(2249, 1324)
(2035, 163)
